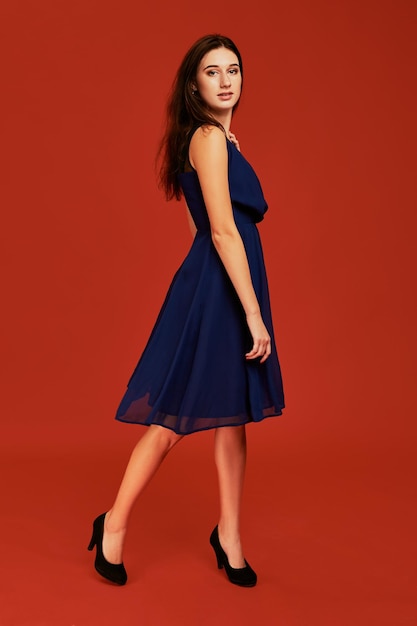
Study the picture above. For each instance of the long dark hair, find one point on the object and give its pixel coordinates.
(185, 111)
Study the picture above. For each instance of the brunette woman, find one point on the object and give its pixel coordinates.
(211, 361)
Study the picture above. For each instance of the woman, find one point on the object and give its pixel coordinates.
(211, 360)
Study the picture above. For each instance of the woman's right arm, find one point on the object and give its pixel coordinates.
(208, 155)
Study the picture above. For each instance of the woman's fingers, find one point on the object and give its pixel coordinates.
(233, 139)
(261, 348)
(261, 340)
(267, 352)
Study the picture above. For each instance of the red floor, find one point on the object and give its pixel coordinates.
(332, 537)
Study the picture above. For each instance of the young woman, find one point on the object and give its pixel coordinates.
(210, 362)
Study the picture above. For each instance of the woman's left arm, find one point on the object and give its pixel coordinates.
(209, 156)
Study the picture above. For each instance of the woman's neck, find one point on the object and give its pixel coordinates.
(224, 119)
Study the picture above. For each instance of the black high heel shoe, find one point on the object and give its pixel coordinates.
(242, 576)
(116, 573)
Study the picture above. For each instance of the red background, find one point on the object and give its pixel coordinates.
(89, 247)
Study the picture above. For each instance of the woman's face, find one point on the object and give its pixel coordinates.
(219, 81)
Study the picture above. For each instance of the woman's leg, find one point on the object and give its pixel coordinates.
(146, 458)
(230, 457)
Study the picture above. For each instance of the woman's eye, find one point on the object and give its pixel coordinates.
(212, 73)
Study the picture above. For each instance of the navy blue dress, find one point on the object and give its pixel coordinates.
(193, 374)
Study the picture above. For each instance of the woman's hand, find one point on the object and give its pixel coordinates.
(233, 139)
(261, 339)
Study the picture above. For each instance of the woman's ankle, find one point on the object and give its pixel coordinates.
(112, 524)
(230, 533)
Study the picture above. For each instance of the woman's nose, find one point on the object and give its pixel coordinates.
(225, 80)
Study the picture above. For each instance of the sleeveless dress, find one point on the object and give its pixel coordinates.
(193, 374)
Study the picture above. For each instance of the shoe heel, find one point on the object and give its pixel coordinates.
(219, 561)
(92, 543)
(217, 549)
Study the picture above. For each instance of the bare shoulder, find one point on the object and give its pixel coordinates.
(208, 135)
(208, 141)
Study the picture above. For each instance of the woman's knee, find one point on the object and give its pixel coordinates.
(231, 433)
(167, 437)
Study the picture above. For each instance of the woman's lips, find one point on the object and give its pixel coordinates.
(225, 96)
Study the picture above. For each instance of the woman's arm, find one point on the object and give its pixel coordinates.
(208, 155)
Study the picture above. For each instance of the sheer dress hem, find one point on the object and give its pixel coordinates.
(140, 411)
(163, 419)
